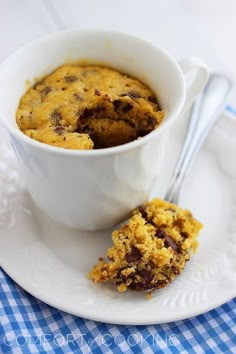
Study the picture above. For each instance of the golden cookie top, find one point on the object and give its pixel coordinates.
(86, 107)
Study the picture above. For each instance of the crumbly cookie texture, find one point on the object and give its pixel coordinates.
(88, 107)
(151, 250)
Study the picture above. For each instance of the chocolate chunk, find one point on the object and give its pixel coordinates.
(134, 94)
(140, 286)
(134, 256)
(152, 99)
(70, 78)
(116, 104)
(143, 212)
(179, 223)
(142, 132)
(120, 277)
(141, 279)
(144, 280)
(56, 117)
(97, 92)
(169, 242)
(160, 233)
(151, 121)
(184, 235)
(126, 107)
(59, 130)
(129, 122)
(88, 112)
(175, 270)
(46, 90)
(146, 274)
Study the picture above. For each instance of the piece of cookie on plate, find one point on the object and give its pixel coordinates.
(151, 249)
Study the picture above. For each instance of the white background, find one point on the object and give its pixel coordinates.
(206, 28)
(216, 21)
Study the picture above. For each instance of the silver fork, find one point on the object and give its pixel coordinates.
(204, 114)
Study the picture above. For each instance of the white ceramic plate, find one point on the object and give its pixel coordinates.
(51, 261)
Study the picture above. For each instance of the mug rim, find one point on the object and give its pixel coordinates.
(104, 151)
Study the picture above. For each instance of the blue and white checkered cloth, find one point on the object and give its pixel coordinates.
(28, 325)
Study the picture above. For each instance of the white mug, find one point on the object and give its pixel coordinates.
(95, 189)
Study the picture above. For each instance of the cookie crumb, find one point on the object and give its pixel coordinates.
(149, 295)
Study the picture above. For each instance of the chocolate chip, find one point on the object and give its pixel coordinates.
(126, 107)
(56, 117)
(169, 242)
(97, 92)
(152, 99)
(46, 90)
(59, 130)
(160, 233)
(70, 78)
(134, 256)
